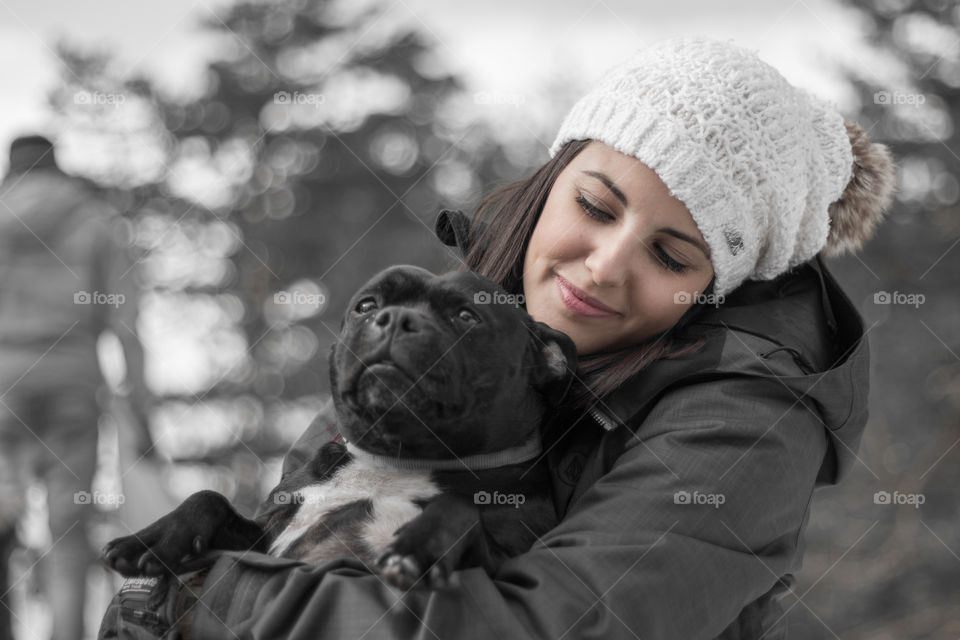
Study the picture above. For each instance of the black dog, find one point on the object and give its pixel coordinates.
(440, 384)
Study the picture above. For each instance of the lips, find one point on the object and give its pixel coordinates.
(375, 365)
(376, 387)
(384, 367)
(579, 302)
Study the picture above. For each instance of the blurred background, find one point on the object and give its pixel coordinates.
(260, 160)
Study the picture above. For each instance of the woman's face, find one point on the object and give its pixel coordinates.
(614, 258)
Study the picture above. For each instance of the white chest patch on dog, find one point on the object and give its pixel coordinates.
(390, 490)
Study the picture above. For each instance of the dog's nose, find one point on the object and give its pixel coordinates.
(405, 320)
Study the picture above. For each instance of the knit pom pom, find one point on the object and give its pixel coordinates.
(866, 197)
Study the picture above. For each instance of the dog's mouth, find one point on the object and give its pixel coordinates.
(378, 384)
(383, 386)
(385, 370)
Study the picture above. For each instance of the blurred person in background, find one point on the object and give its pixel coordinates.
(58, 293)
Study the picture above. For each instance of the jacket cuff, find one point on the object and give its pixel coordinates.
(239, 584)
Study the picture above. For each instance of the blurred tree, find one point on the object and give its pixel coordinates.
(893, 570)
(323, 146)
(910, 98)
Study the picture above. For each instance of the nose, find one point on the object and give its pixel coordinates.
(609, 262)
(401, 319)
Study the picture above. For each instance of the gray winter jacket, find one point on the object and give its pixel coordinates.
(684, 497)
(55, 240)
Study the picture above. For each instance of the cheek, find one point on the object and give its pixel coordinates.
(667, 310)
(558, 236)
(672, 297)
(659, 307)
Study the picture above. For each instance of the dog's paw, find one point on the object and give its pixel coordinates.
(414, 560)
(151, 552)
(406, 571)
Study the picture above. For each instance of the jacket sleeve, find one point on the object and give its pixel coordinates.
(697, 518)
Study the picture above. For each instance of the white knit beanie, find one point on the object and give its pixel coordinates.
(766, 170)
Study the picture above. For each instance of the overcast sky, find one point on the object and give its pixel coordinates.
(505, 46)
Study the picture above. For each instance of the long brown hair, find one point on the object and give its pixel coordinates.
(499, 235)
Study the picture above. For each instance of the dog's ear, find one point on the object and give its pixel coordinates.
(332, 368)
(554, 361)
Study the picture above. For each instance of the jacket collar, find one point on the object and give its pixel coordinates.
(803, 312)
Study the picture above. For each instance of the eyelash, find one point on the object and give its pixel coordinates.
(602, 216)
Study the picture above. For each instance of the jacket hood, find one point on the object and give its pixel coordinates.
(799, 329)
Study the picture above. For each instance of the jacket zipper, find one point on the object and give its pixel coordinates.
(603, 419)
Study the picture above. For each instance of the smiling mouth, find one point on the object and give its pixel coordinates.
(580, 303)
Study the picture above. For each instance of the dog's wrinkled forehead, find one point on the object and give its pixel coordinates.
(472, 283)
(407, 283)
(401, 280)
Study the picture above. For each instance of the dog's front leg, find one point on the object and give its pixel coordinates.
(205, 520)
(448, 535)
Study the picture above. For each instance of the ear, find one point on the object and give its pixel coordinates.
(554, 363)
(332, 368)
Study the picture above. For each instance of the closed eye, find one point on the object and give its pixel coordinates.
(663, 258)
(593, 211)
(668, 262)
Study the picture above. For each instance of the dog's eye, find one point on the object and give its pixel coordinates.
(468, 316)
(365, 305)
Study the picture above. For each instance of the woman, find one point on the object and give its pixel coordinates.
(675, 236)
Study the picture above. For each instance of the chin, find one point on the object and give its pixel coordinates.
(583, 342)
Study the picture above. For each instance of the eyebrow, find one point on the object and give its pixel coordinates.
(667, 230)
(608, 183)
